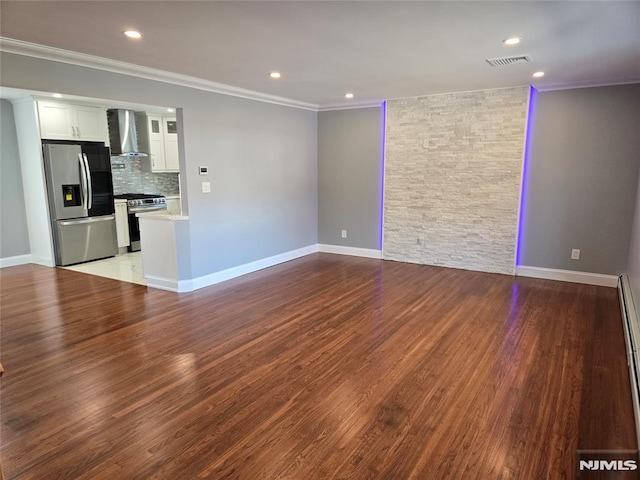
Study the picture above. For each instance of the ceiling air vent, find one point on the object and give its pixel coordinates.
(502, 61)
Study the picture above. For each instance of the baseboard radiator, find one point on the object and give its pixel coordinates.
(632, 340)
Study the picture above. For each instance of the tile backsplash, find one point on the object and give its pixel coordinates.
(134, 179)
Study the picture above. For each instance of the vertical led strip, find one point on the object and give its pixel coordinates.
(384, 153)
(525, 169)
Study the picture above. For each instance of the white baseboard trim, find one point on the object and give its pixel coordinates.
(13, 261)
(598, 279)
(47, 262)
(162, 283)
(233, 272)
(353, 251)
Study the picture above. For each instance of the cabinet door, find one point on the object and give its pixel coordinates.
(91, 123)
(56, 121)
(122, 224)
(156, 144)
(170, 132)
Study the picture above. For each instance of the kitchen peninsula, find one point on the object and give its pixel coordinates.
(164, 238)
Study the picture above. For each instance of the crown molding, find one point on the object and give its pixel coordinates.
(44, 52)
(577, 85)
(350, 106)
(457, 92)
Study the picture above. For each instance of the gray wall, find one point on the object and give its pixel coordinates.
(452, 178)
(262, 160)
(633, 264)
(14, 237)
(350, 149)
(581, 179)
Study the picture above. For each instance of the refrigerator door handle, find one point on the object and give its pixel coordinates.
(90, 188)
(105, 218)
(83, 178)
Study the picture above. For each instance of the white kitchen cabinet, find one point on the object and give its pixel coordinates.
(156, 144)
(66, 121)
(122, 223)
(170, 134)
(163, 144)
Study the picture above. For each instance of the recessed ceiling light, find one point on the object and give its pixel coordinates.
(275, 75)
(57, 95)
(512, 40)
(170, 110)
(348, 95)
(538, 74)
(133, 34)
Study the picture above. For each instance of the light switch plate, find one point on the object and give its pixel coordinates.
(206, 187)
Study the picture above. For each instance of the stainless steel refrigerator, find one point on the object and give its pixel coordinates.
(80, 191)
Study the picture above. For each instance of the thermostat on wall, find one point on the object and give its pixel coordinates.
(203, 170)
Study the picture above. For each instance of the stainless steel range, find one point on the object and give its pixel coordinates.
(139, 203)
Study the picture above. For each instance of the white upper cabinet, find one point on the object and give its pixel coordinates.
(56, 121)
(163, 144)
(156, 144)
(92, 124)
(170, 132)
(65, 121)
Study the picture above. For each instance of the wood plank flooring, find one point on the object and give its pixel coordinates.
(326, 367)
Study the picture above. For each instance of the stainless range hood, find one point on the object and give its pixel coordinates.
(128, 133)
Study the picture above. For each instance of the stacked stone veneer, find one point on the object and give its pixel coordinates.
(453, 167)
(133, 178)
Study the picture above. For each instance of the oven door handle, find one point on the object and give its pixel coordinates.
(146, 209)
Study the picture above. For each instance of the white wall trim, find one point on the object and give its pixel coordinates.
(353, 251)
(599, 279)
(576, 85)
(13, 261)
(44, 52)
(350, 106)
(162, 283)
(44, 261)
(458, 91)
(233, 272)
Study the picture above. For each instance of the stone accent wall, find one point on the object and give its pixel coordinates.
(453, 167)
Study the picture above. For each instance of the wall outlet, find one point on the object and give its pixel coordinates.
(575, 254)
(206, 187)
(344, 234)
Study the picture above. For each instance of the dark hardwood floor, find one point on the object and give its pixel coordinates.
(326, 367)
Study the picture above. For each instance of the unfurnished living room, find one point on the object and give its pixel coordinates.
(319, 240)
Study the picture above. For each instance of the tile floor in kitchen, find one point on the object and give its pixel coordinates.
(126, 268)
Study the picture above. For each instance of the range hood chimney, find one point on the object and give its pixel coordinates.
(128, 133)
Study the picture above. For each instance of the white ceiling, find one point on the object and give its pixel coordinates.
(377, 50)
